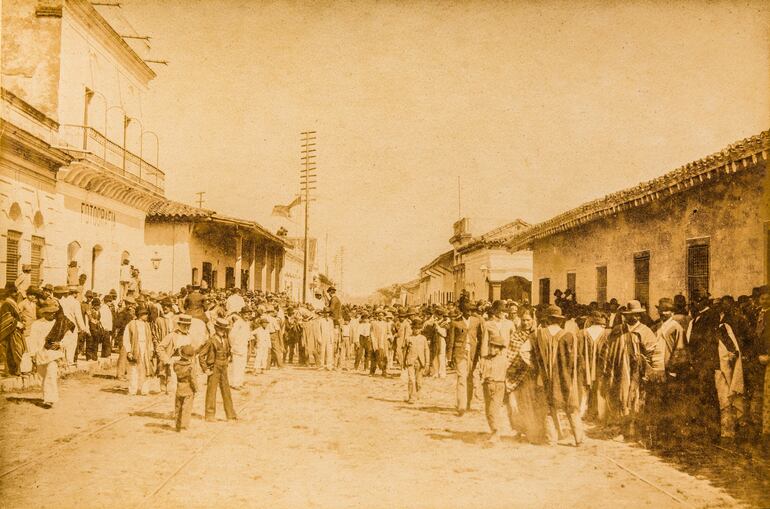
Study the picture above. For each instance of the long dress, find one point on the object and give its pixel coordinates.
(525, 403)
(11, 336)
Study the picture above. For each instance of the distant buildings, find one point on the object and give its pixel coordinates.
(480, 265)
(704, 225)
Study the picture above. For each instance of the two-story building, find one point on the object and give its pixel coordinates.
(76, 180)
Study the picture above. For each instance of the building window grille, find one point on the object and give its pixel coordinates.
(601, 284)
(642, 277)
(571, 281)
(38, 243)
(12, 256)
(545, 291)
(697, 266)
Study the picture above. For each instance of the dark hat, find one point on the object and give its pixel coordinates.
(49, 307)
(665, 304)
(48, 287)
(331, 289)
(10, 287)
(89, 294)
(187, 351)
(113, 292)
(416, 323)
(222, 323)
(142, 310)
(554, 312)
(25, 267)
(633, 307)
(700, 294)
(60, 290)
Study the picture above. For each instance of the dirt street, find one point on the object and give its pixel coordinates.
(308, 438)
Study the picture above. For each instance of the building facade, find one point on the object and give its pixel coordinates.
(483, 266)
(705, 225)
(188, 245)
(72, 87)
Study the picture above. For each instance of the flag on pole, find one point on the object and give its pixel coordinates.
(285, 210)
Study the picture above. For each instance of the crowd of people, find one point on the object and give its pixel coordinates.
(697, 372)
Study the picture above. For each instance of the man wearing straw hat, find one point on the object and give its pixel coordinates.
(214, 356)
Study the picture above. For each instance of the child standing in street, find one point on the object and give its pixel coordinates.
(416, 358)
(187, 385)
(493, 378)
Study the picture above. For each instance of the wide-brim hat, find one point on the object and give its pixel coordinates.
(60, 290)
(554, 311)
(665, 304)
(142, 310)
(49, 287)
(49, 308)
(634, 307)
(221, 323)
(184, 320)
(598, 318)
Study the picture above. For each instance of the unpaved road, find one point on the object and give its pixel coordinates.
(309, 439)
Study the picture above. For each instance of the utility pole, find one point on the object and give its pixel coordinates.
(200, 198)
(307, 181)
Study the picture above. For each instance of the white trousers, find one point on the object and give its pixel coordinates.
(50, 374)
(137, 381)
(262, 357)
(237, 370)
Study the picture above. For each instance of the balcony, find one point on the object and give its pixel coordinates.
(113, 157)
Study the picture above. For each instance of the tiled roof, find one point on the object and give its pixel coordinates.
(168, 209)
(496, 237)
(444, 258)
(722, 164)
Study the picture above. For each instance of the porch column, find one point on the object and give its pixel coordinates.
(270, 268)
(259, 273)
(238, 259)
(252, 265)
(278, 269)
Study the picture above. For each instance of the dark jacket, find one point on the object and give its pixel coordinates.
(214, 352)
(461, 339)
(186, 376)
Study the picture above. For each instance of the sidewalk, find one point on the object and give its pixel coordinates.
(22, 383)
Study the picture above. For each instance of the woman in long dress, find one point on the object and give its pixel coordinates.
(525, 402)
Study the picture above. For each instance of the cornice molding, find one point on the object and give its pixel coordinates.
(84, 12)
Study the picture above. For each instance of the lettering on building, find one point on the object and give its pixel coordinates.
(96, 216)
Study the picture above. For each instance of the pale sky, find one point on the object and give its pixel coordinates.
(538, 107)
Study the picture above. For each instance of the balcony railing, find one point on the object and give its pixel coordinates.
(115, 158)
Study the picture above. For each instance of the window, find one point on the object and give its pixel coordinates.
(229, 277)
(642, 277)
(194, 276)
(207, 274)
(12, 256)
(38, 243)
(571, 281)
(697, 265)
(244, 278)
(545, 291)
(601, 284)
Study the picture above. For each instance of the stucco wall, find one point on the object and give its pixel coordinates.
(733, 213)
(30, 49)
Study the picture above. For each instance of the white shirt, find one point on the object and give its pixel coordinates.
(105, 317)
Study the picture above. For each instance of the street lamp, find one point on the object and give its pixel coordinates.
(156, 261)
